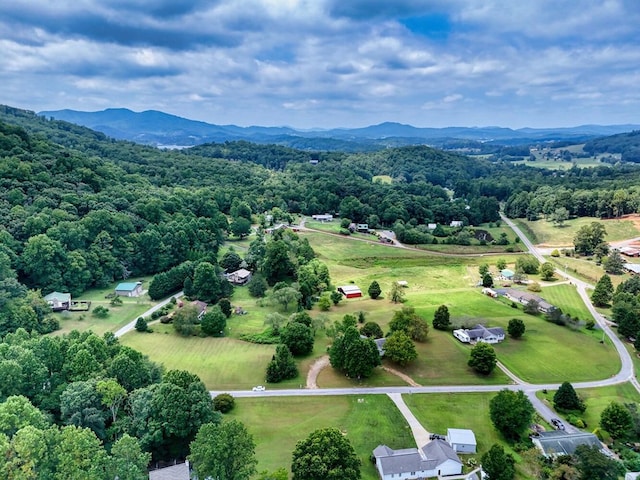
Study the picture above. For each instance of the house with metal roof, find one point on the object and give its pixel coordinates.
(437, 458)
(129, 289)
(174, 472)
(559, 442)
(350, 291)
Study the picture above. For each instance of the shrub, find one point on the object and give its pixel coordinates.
(224, 403)
(141, 325)
(100, 312)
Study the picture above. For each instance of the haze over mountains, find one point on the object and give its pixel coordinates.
(153, 127)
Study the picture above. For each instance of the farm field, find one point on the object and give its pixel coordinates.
(584, 269)
(566, 297)
(546, 233)
(277, 424)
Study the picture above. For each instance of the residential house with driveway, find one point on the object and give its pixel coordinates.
(524, 298)
(436, 459)
(480, 333)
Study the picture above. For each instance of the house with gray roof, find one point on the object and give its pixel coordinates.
(480, 333)
(435, 459)
(524, 298)
(559, 442)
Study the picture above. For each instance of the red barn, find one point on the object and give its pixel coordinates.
(350, 291)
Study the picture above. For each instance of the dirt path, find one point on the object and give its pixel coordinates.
(315, 370)
(404, 377)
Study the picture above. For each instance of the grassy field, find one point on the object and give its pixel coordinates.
(567, 298)
(584, 269)
(277, 424)
(559, 164)
(548, 234)
(382, 179)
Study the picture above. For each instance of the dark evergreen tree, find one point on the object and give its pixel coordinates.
(516, 328)
(374, 290)
(282, 366)
(566, 398)
(441, 319)
(498, 464)
(603, 292)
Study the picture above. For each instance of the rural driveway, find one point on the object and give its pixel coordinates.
(131, 325)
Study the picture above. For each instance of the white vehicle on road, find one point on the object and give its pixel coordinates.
(259, 388)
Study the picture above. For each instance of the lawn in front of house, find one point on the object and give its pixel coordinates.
(566, 297)
(278, 423)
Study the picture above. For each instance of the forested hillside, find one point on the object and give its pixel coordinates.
(626, 144)
(83, 210)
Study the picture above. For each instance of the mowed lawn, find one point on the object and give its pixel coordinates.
(549, 234)
(221, 363)
(566, 297)
(277, 424)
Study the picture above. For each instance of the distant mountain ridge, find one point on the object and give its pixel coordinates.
(153, 127)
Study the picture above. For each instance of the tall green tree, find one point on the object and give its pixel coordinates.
(441, 318)
(282, 365)
(516, 328)
(207, 283)
(498, 464)
(593, 464)
(617, 420)
(298, 338)
(588, 238)
(374, 290)
(511, 413)
(399, 348)
(603, 292)
(566, 398)
(483, 358)
(224, 451)
(214, 322)
(547, 270)
(614, 263)
(325, 454)
(277, 264)
(396, 295)
(355, 356)
(127, 460)
(408, 320)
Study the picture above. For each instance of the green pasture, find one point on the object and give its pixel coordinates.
(277, 424)
(584, 269)
(566, 297)
(221, 363)
(547, 233)
(559, 164)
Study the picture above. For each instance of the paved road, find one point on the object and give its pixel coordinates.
(131, 325)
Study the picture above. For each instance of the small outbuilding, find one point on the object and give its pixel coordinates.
(327, 217)
(58, 301)
(633, 268)
(239, 277)
(350, 291)
(129, 289)
(507, 274)
(462, 440)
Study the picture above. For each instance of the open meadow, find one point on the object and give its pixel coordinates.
(546, 233)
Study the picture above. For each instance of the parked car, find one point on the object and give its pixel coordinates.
(259, 388)
(556, 422)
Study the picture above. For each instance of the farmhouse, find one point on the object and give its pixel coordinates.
(58, 301)
(350, 291)
(432, 226)
(506, 274)
(239, 277)
(323, 218)
(456, 223)
(201, 307)
(461, 440)
(435, 459)
(489, 292)
(525, 297)
(480, 333)
(362, 227)
(559, 442)
(129, 289)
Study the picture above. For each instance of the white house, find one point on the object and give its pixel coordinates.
(239, 277)
(480, 333)
(179, 471)
(435, 459)
(462, 440)
(456, 223)
(323, 218)
(129, 289)
(58, 301)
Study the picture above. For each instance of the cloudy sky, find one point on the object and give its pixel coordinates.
(329, 63)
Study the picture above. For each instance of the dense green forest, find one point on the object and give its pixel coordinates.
(627, 144)
(82, 210)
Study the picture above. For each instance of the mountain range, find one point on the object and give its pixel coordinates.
(153, 127)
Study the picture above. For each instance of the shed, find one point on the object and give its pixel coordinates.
(239, 277)
(462, 440)
(350, 291)
(632, 267)
(129, 289)
(456, 223)
(58, 301)
(507, 274)
(403, 283)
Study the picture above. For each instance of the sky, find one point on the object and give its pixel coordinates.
(329, 63)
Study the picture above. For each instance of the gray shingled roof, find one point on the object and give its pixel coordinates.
(435, 453)
(480, 331)
(558, 442)
(174, 472)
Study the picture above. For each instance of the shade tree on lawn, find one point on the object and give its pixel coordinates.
(298, 337)
(372, 330)
(326, 454)
(282, 366)
(399, 348)
(567, 399)
(516, 328)
(441, 318)
(511, 413)
(409, 321)
(616, 420)
(354, 355)
(482, 358)
(603, 292)
(214, 322)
